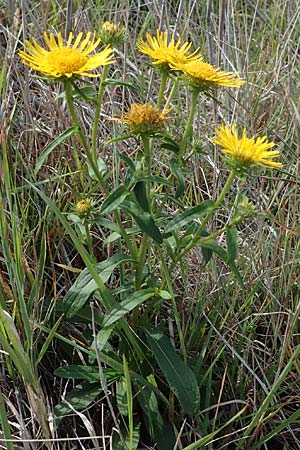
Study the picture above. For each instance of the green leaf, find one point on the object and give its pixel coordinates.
(212, 245)
(86, 93)
(100, 342)
(85, 285)
(121, 396)
(118, 444)
(180, 377)
(101, 166)
(159, 431)
(132, 301)
(5, 426)
(232, 244)
(144, 220)
(107, 224)
(171, 147)
(178, 174)
(89, 373)
(128, 161)
(206, 252)
(78, 372)
(141, 195)
(50, 147)
(112, 82)
(168, 142)
(183, 219)
(114, 199)
(79, 398)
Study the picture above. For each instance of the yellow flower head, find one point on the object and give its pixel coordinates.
(66, 60)
(144, 118)
(167, 54)
(204, 76)
(244, 152)
(83, 207)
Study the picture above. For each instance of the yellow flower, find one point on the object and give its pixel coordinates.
(69, 60)
(204, 76)
(165, 53)
(244, 152)
(144, 118)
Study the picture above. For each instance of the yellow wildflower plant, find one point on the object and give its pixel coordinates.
(167, 53)
(245, 152)
(203, 75)
(66, 60)
(144, 118)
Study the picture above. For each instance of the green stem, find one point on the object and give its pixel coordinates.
(164, 79)
(189, 125)
(93, 163)
(145, 238)
(167, 276)
(76, 122)
(97, 113)
(148, 164)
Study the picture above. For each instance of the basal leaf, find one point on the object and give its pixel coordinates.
(180, 377)
(132, 301)
(85, 285)
(79, 398)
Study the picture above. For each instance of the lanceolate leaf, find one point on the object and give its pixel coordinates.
(183, 219)
(79, 398)
(212, 245)
(114, 199)
(141, 195)
(180, 377)
(232, 244)
(127, 305)
(144, 220)
(85, 285)
(177, 172)
(90, 373)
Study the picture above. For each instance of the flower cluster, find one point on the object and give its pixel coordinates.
(166, 54)
(177, 57)
(74, 59)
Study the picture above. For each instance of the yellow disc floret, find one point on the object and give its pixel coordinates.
(144, 118)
